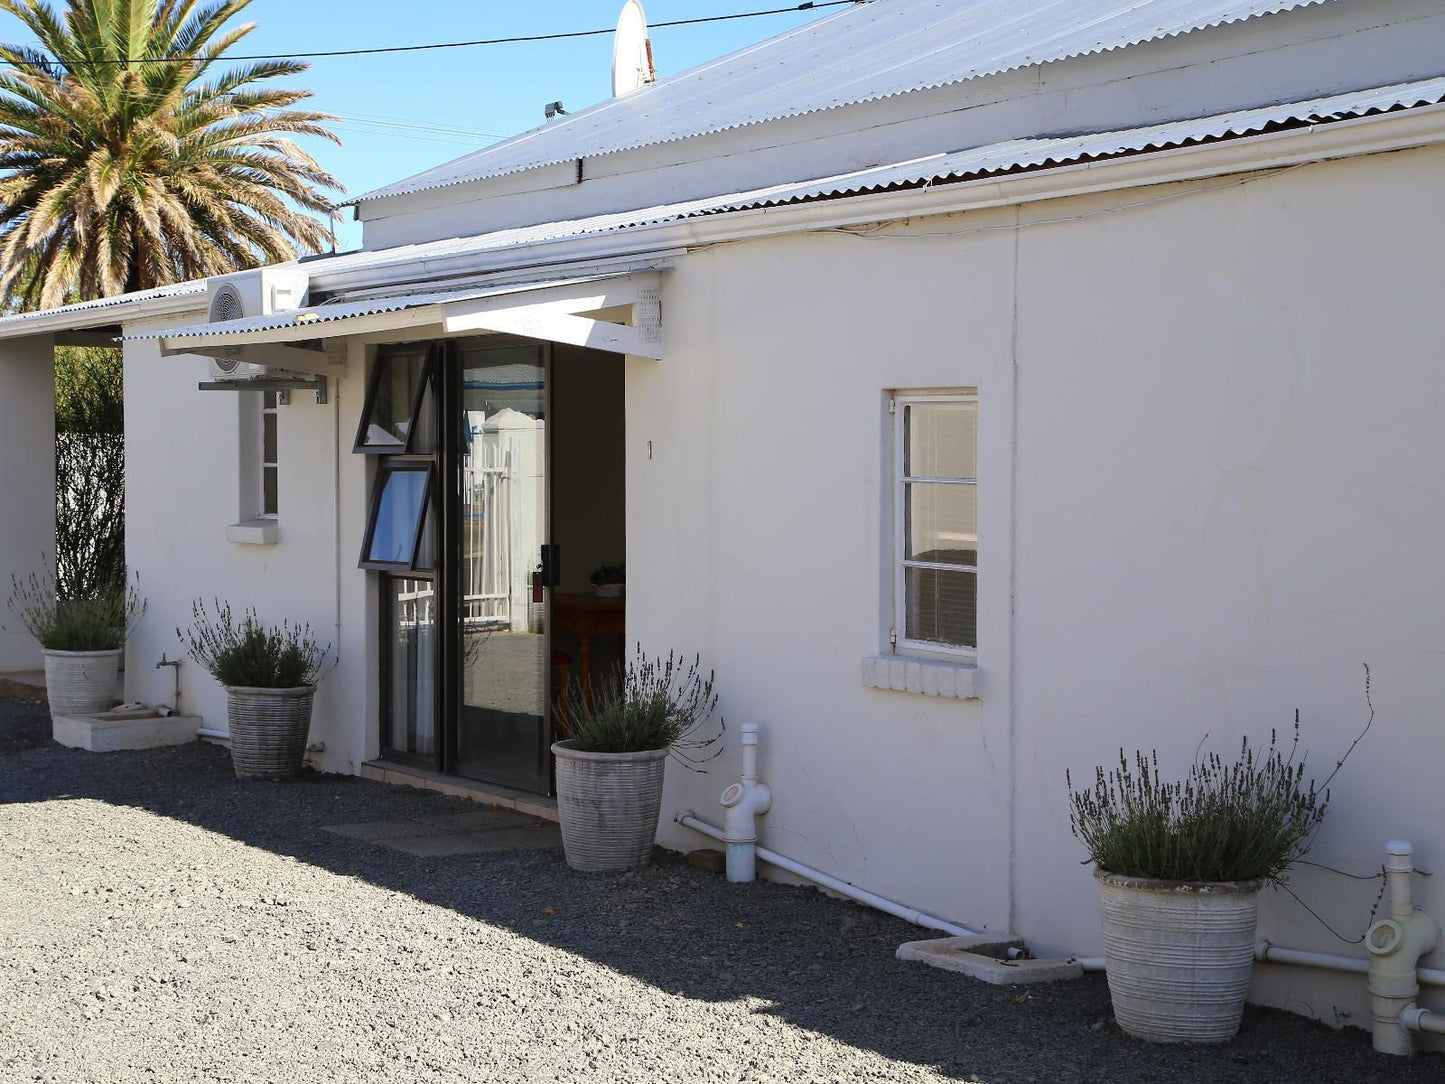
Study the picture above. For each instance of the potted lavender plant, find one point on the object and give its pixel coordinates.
(610, 771)
(1180, 866)
(81, 638)
(270, 674)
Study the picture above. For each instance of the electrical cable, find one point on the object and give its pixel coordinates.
(811, 5)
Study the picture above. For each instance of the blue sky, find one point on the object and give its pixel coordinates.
(464, 98)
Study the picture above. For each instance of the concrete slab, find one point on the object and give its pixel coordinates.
(437, 845)
(102, 734)
(539, 837)
(485, 794)
(985, 957)
(379, 831)
(482, 820)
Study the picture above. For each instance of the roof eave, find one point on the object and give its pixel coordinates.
(59, 321)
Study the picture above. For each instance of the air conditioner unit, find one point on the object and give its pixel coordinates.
(261, 292)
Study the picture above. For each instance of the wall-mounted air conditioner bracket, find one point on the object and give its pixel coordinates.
(286, 384)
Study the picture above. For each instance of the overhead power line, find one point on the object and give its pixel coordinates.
(812, 5)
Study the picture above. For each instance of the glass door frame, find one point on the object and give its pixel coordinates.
(448, 575)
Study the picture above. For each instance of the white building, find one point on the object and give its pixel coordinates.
(1150, 285)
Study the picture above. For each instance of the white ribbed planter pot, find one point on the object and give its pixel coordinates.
(268, 730)
(81, 682)
(1179, 955)
(608, 804)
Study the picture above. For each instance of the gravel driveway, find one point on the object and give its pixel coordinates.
(160, 921)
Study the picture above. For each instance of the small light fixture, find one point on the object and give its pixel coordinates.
(554, 109)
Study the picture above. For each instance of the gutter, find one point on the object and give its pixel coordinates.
(1402, 130)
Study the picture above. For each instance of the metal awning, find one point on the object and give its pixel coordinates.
(307, 340)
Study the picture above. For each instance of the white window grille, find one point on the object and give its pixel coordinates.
(935, 524)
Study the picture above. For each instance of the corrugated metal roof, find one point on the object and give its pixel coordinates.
(995, 158)
(875, 50)
(1057, 150)
(302, 321)
(1018, 154)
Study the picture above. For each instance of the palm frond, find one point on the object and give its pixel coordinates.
(121, 168)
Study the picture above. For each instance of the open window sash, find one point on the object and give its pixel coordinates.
(397, 417)
(401, 510)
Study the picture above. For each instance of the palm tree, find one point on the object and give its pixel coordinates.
(125, 165)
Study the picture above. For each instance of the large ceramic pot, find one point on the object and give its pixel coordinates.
(268, 730)
(1179, 955)
(81, 682)
(608, 804)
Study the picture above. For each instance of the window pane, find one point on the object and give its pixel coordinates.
(940, 522)
(268, 437)
(941, 606)
(269, 399)
(940, 440)
(412, 715)
(398, 516)
(268, 491)
(386, 426)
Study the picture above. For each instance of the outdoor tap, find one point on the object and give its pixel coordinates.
(743, 803)
(1396, 945)
(175, 665)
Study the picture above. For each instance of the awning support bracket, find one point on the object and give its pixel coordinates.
(270, 383)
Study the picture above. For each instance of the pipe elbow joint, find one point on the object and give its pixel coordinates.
(1396, 945)
(743, 803)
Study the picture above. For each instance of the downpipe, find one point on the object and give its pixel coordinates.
(1396, 945)
(744, 802)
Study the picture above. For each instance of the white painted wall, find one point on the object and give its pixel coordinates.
(1290, 56)
(182, 479)
(1230, 421)
(27, 481)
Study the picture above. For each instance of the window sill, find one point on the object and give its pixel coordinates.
(254, 532)
(900, 673)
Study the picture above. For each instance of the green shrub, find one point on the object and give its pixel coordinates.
(89, 471)
(1249, 820)
(93, 622)
(653, 704)
(249, 654)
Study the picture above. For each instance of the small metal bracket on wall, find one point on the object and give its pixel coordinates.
(285, 385)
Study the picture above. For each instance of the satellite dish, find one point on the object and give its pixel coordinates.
(631, 51)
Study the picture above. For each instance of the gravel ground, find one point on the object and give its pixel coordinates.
(160, 921)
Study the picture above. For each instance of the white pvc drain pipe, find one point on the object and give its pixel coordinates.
(690, 819)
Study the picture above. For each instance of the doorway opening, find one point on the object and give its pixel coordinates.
(496, 501)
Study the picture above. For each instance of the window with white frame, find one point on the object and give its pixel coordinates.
(935, 523)
(268, 475)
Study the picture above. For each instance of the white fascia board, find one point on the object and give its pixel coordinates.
(1383, 132)
(547, 312)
